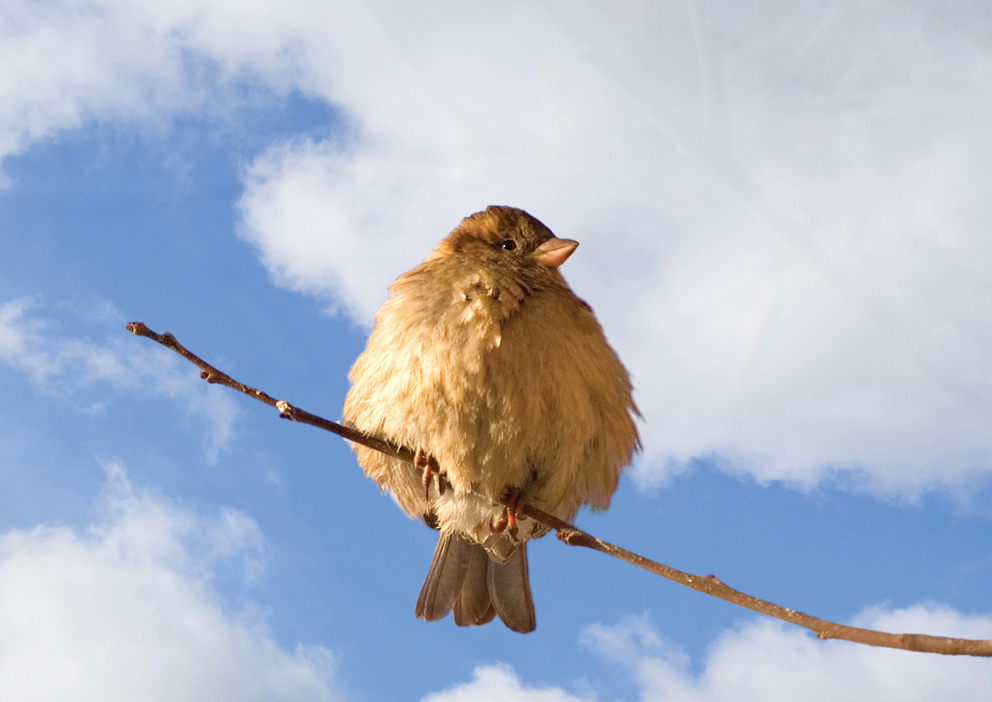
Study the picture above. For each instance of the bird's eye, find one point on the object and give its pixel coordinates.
(508, 244)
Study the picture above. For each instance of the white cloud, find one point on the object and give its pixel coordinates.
(124, 611)
(495, 683)
(782, 214)
(782, 211)
(768, 660)
(67, 63)
(85, 369)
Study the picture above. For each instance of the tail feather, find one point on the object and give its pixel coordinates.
(509, 586)
(445, 578)
(475, 606)
(463, 578)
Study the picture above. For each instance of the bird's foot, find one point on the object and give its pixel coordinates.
(513, 501)
(431, 472)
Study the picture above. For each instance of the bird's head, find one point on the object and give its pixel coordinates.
(506, 236)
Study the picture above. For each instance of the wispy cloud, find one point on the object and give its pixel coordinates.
(92, 372)
(124, 610)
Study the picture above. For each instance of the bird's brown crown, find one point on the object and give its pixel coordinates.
(498, 232)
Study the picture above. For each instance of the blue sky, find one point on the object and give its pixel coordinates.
(783, 215)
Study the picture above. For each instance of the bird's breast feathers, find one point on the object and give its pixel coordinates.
(501, 381)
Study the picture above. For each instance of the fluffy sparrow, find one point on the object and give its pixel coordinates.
(483, 359)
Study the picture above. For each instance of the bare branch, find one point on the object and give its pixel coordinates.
(711, 585)
(286, 410)
(569, 534)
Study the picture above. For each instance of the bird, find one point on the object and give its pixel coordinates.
(484, 361)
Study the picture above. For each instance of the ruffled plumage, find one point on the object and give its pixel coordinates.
(483, 357)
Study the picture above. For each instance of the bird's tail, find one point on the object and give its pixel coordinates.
(463, 578)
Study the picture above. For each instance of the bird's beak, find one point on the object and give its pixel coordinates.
(554, 251)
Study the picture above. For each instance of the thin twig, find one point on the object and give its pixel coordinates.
(569, 534)
(711, 585)
(286, 410)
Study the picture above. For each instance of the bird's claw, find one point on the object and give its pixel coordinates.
(431, 470)
(513, 511)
